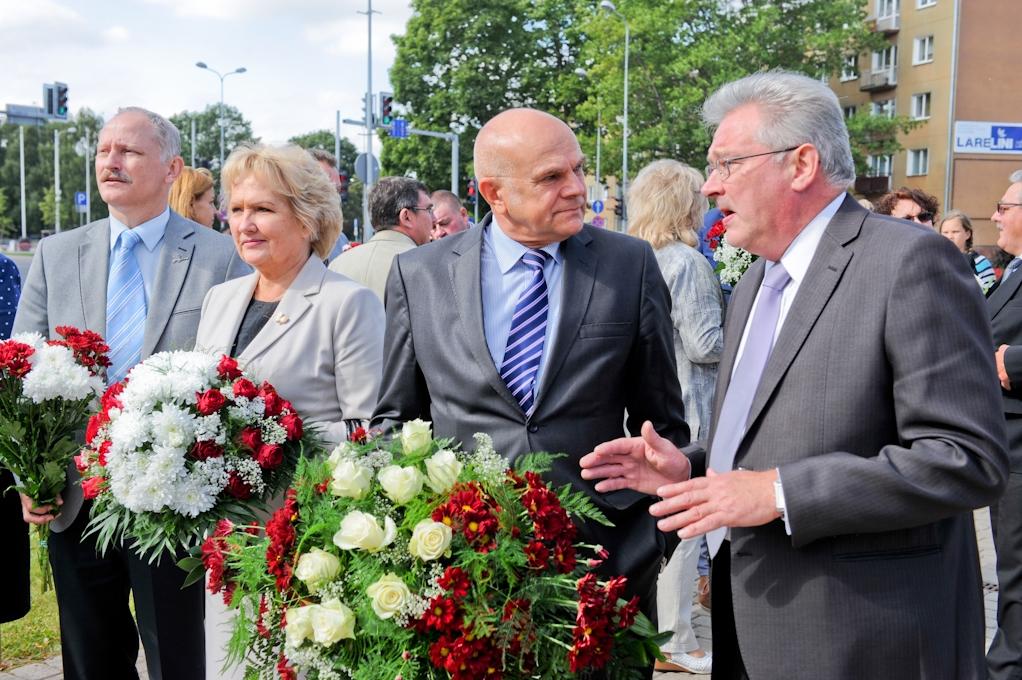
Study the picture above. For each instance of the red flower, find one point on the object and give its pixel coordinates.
(292, 424)
(441, 613)
(538, 554)
(92, 487)
(206, 449)
(273, 404)
(286, 671)
(96, 421)
(209, 402)
(83, 460)
(281, 532)
(104, 449)
(714, 234)
(359, 435)
(238, 488)
(261, 628)
(251, 438)
(14, 358)
(455, 581)
(228, 369)
(243, 387)
(270, 456)
(87, 346)
(109, 399)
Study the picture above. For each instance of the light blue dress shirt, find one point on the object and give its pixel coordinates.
(148, 253)
(504, 278)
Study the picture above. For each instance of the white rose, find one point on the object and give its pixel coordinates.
(316, 568)
(299, 624)
(332, 621)
(401, 484)
(350, 479)
(389, 595)
(442, 470)
(429, 540)
(416, 436)
(360, 530)
(340, 452)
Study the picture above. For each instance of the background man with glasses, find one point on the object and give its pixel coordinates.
(1005, 305)
(402, 215)
(855, 424)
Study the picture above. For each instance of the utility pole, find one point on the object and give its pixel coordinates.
(88, 174)
(56, 179)
(193, 141)
(21, 155)
(370, 179)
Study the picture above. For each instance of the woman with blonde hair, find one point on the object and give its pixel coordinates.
(192, 196)
(957, 228)
(666, 209)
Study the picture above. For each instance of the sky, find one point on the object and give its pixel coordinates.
(305, 59)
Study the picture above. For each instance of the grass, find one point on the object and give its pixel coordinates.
(36, 636)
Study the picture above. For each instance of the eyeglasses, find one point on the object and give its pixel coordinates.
(922, 217)
(1002, 207)
(723, 166)
(428, 209)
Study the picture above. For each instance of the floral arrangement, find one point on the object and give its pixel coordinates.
(732, 261)
(47, 390)
(184, 440)
(410, 558)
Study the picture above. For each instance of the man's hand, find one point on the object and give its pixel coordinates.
(1002, 372)
(739, 498)
(642, 464)
(39, 514)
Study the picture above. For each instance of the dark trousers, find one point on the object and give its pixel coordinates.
(727, 656)
(14, 569)
(1004, 660)
(99, 640)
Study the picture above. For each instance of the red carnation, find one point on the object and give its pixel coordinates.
(209, 402)
(110, 399)
(251, 438)
(228, 369)
(14, 358)
(270, 456)
(243, 387)
(206, 449)
(104, 449)
(292, 424)
(92, 487)
(358, 435)
(238, 488)
(714, 234)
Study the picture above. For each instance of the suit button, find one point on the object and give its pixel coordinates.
(533, 428)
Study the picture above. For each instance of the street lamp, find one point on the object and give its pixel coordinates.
(610, 7)
(241, 69)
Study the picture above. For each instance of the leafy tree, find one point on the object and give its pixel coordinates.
(324, 139)
(6, 223)
(207, 135)
(873, 135)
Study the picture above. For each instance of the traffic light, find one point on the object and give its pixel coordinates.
(386, 108)
(345, 181)
(61, 108)
(619, 208)
(472, 195)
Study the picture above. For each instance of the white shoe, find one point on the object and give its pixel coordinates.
(686, 663)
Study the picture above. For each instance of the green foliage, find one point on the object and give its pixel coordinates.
(876, 136)
(324, 139)
(207, 134)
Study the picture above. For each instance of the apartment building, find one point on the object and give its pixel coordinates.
(956, 66)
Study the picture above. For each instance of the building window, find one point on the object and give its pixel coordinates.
(879, 166)
(883, 107)
(922, 52)
(849, 111)
(921, 4)
(918, 162)
(850, 70)
(887, 8)
(921, 105)
(885, 60)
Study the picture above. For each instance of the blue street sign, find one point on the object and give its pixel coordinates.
(80, 199)
(399, 128)
(597, 207)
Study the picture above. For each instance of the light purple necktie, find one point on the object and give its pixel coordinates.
(744, 381)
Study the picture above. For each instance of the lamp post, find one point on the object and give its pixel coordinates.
(610, 7)
(221, 76)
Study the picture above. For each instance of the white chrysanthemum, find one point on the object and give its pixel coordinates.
(192, 497)
(169, 377)
(32, 339)
(55, 374)
(210, 428)
(173, 426)
(129, 431)
(273, 432)
(168, 462)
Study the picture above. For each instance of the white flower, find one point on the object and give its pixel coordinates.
(317, 567)
(332, 621)
(210, 428)
(342, 451)
(350, 479)
(250, 472)
(360, 530)
(172, 426)
(430, 540)
(55, 375)
(299, 624)
(442, 470)
(32, 339)
(400, 484)
(272, 432)
(416, 436)
(192, 497)
(389, 595)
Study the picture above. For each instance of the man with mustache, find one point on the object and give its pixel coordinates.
(539, 330)
(138, 278)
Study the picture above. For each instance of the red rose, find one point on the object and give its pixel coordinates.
(104, 449)
(359, 435)
(251, 438)
(82, 461)
(206, 449)
(92, 487)
(243, 387)
(270, 456)
(272, 401)
(238, 488)
(292, 424)
(209, 402)
(228, 369)
(96, 421)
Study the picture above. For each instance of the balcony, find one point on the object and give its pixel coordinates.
(879, 81)
(888, 25)
(872, 186)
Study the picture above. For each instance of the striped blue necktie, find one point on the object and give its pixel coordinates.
(125, 307)
(525, 340)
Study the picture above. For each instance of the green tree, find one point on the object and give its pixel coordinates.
(6, 222)
(324, 139)
(207, 135)
(873, 135)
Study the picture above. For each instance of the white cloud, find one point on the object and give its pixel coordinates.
(116, 34)
(21, 14)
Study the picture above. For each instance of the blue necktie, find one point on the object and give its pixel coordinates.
(741, 390)
(524, 348)
(1010, 269)
(125, 307)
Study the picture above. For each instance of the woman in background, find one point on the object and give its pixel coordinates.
(192, 196)
(957, 227)
(666, 209)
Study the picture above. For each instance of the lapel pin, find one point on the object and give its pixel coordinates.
(282, 319)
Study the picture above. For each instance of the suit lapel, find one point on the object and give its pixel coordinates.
(1004, 293)
(93, 263)
(293, 306)
(466, 290)
(171, 271)
(577, 283)
(230, 314)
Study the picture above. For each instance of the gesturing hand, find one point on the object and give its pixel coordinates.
(642, 464)
(39, 514)
(739, 498)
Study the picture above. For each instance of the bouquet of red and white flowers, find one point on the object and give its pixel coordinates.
(184, 440)
(732, 261)
(413, 559)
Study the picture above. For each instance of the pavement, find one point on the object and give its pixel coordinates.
(51, 668)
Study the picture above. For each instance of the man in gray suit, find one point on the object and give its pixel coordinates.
(538, 330)
(173, 263)
(856, 422)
